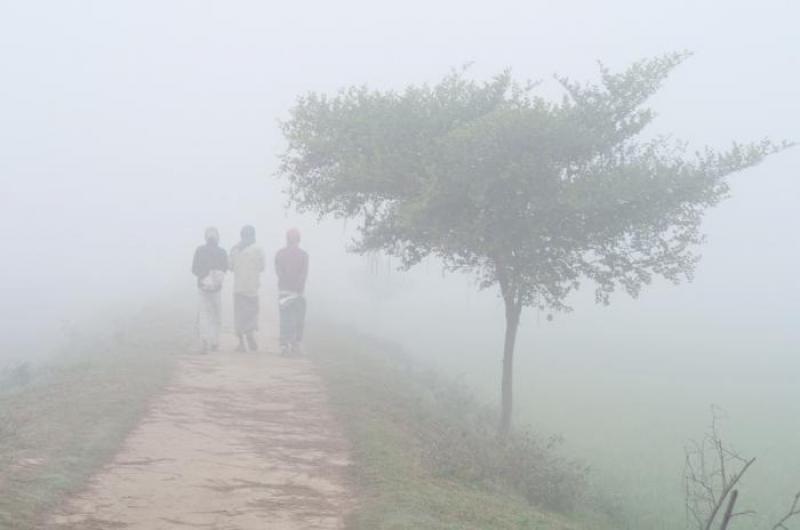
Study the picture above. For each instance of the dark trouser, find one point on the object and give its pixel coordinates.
(292, 311)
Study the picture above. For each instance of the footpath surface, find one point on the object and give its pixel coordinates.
(236, 442)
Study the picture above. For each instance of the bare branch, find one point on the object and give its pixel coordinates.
(726, 491)
(712, 473)
(793, 511)
(726, 519)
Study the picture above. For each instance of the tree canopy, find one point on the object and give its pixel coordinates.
(526, 193)
(493, 179)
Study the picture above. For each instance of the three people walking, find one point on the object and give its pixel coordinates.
(247, 262)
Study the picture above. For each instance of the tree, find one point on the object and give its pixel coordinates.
(712, 473)
(527, 194)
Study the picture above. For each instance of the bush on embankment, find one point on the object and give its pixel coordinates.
(426, 453)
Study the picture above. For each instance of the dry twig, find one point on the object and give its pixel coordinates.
(713, 470)
(793, 511)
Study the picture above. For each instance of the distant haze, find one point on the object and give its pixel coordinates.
(127, 127)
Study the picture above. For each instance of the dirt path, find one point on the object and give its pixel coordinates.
(238, 441)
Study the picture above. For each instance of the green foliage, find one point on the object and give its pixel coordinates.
(425, 454)
(524, 192)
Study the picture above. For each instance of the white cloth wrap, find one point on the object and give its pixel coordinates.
(209, 316)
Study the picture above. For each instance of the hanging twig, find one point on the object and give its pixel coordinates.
(793, 511)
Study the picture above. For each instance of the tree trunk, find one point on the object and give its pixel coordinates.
(513, 310)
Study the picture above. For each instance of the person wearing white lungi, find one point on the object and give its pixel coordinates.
(209, 266)
(209, 318)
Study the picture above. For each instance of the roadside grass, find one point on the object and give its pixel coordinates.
(423, 454)
(63, 420)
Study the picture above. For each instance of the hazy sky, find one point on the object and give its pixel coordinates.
(126, 127)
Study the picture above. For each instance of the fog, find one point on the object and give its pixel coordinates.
(128, 127)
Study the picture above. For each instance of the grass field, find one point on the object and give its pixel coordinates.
(61, 421)
(422, 456)
(386, 407)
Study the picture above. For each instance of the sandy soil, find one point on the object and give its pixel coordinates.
(237, 441)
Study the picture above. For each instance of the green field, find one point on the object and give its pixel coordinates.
(424, 452)
(61, 421)
(395, 415)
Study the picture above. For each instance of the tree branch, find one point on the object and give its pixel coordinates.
(793, 511)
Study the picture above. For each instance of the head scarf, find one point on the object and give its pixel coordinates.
(212, 235)
(293, 237)
(248, 235)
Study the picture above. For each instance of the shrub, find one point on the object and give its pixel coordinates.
(460, 440)
(456, 434)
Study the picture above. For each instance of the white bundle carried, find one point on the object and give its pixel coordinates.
(213, 281)
(285, 297)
